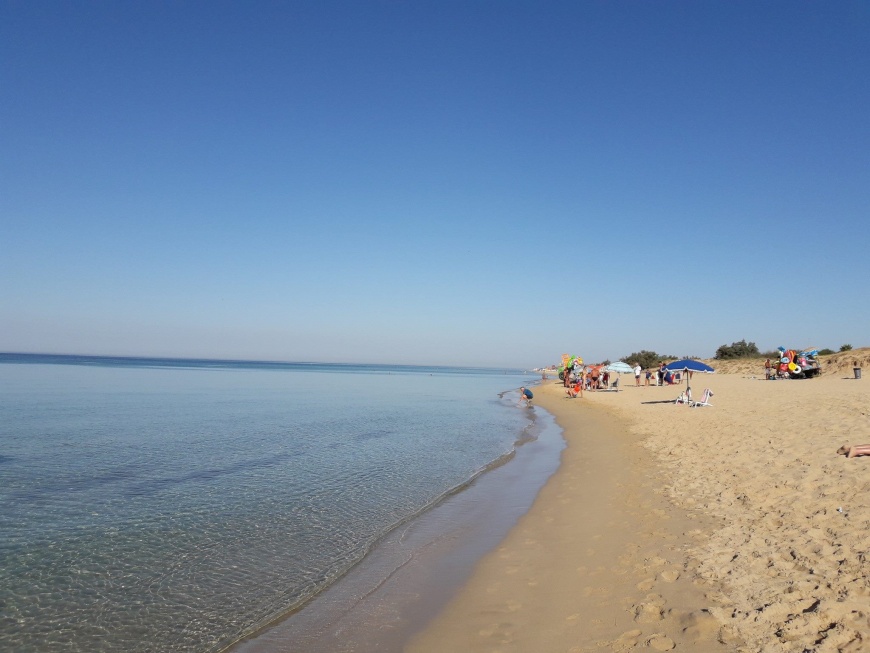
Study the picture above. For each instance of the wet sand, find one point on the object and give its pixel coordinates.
(734, 527)
(416, 568)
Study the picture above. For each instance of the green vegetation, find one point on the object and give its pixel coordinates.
(646, 359)
(741, 349)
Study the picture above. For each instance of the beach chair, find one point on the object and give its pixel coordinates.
(683, 399)
(705, 400)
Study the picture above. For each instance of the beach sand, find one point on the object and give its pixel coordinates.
(734, 527)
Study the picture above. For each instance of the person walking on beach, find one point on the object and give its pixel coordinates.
(637, 371)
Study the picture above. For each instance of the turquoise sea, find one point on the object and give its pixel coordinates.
(177, 505)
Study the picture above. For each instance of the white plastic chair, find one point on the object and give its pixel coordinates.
(705, 400)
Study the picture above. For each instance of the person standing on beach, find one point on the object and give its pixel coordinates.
(637, 371)
(767, 369)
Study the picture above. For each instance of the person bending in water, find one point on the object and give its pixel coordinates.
(526, 394)
(855, 450)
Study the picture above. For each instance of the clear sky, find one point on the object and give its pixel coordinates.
(435, 182)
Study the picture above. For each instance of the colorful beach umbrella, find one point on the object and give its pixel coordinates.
(620, 368)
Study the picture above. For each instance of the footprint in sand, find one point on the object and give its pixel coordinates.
(655, 561)
(699, 626)
(670, 575)
(502, 632)
(646, 585)
(596, 591)
(625, 642)
(647, 613)
(660, 643)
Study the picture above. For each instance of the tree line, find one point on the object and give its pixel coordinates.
(740, 349)
(743, 349)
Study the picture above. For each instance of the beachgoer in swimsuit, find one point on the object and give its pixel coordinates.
(576, 389)
(855, 450)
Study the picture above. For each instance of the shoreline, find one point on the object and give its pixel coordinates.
(601, 558)
(732, 527)
(416, 568)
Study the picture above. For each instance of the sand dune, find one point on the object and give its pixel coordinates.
(840, 363)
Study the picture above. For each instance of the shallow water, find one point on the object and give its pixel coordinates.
(163, 506)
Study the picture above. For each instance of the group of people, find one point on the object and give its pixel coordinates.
(663, 376)
(578, 378)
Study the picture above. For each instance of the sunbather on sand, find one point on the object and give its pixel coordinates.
(854, 450)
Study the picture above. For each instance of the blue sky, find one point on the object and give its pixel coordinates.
(480, 183)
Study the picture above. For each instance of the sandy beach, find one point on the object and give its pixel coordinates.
(734, 527)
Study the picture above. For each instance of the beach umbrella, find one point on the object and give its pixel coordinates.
(689, 365)
(620, 368)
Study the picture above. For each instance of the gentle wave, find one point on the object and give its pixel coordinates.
(177, 508)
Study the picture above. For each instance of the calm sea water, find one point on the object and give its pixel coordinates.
(163, 505)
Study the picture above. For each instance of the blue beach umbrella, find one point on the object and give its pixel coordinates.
(689, 365)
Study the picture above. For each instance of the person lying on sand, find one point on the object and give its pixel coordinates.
(854, 450)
